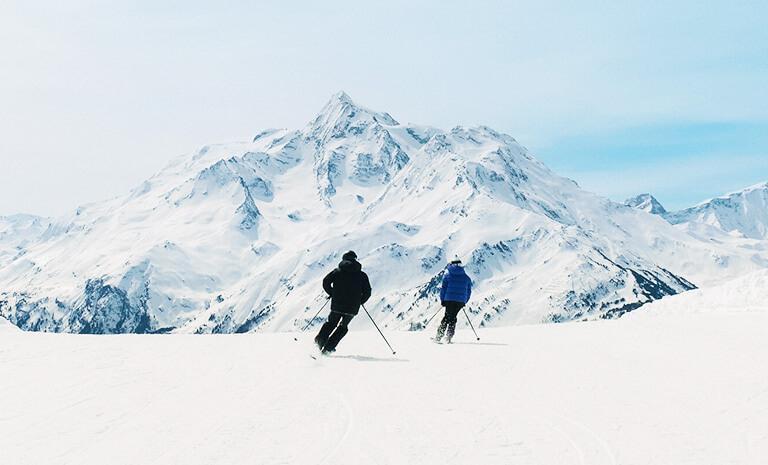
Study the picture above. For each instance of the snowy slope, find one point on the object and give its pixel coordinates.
(18, 231)
(237, 237)
(632, 391)
(747, 293)
(7, 326)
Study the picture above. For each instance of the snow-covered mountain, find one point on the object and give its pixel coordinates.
(733, 224)
(18, 231)
(646, 203)
(237, 237)
(743, 213)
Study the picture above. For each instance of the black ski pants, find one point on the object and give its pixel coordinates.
(333, 331)
(448, 323)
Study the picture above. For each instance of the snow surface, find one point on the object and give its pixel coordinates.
(236, 237)
(744, 294)
(7, 326)
(635, 391)
(19, 231)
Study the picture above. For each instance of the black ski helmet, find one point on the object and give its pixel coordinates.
(349, 256)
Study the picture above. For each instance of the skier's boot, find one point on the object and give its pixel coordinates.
(440, 332)
(450, 330)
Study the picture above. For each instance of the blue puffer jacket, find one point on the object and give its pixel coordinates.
(457, 287)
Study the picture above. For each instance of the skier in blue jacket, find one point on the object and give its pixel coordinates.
(455, 293)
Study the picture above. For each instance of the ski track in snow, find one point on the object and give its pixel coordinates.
(655, 389)
(349, 423)
(592, 448)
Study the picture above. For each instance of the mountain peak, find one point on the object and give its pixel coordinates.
(646, 203)
(755, 189)
(341, 113)
(744, 212)
(341, 97)
(339, 104)
(761, 186)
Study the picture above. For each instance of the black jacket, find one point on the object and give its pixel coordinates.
(348, 287)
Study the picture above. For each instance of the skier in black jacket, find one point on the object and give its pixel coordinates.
(348, 288)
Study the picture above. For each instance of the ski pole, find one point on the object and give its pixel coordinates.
(313, 319)
(470, 323)
(377, 328)
(433, 317)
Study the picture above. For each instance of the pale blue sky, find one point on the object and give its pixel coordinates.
(624, 97)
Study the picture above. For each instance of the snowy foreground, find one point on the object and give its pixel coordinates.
(652, 388)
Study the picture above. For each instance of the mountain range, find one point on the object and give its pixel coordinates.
(743, 213)
(237, 237)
